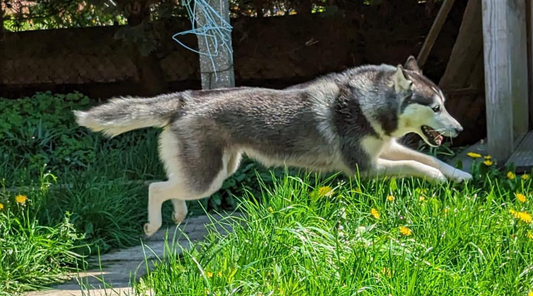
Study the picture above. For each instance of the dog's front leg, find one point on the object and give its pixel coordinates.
(409, 168)
(396, 151)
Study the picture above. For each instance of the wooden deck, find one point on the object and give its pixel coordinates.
(522, 157)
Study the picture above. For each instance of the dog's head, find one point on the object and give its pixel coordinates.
(422, 108)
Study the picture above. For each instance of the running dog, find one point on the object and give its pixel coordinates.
(346, 122)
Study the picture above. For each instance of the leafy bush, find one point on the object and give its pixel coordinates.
(40, 130)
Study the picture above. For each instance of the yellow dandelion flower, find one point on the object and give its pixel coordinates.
(1, 206)
(474, 155)
(525, 217)
(21, 199)
(209, 274)
(530, 293)
(270, 209)
(390, 198)
(488, 162)
(522, 216)
(521, 197)
(325, 191)
(487, 157)
(374, 213)
(422, 198)
(525, 177)
(405, 231)
(511, 175)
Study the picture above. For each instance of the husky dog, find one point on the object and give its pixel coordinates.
(344, 122)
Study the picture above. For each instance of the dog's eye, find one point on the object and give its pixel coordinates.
(436, 108)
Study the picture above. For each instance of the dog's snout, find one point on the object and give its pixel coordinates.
(457, 129)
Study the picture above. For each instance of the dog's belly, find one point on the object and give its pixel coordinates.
(318, 162)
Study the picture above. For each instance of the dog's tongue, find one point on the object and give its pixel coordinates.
(438, 139)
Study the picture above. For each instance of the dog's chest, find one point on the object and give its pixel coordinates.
(374, 146)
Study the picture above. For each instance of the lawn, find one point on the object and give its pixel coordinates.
(381, 237)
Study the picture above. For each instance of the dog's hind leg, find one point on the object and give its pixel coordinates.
(180, 210)
(158, 193)
(197, 163)
(231, 165)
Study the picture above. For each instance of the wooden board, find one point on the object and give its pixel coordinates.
(466, 50)
(504, 47)
(529, 19)
(434, 32)
(522, 158)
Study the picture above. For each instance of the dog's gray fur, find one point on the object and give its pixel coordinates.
(341, 122)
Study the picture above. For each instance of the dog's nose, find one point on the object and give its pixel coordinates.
(458, 129)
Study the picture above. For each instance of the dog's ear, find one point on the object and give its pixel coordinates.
(401, 83)
(412, 65)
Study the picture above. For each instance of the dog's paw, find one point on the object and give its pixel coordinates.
(178, 217)
(461, 176)
(150, 229)
(438, 177)
(455, 174)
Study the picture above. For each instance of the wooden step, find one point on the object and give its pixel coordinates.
(522, 158)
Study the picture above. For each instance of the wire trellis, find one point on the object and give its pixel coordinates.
(208, 24)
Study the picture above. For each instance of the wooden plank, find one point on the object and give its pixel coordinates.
(434, 32)
(466, 50)
(529, 19)
(522, 158)
(517, 29)
(460, 92)
(505, 75)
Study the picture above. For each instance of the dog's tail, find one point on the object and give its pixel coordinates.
(120, 115)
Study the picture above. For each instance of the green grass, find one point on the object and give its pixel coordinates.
(34, 255)
(293, 241)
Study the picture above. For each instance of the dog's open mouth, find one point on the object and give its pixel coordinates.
(434, 137)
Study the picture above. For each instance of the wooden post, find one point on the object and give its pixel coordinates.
(504, 44)
(220, 74)
(529, 12)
